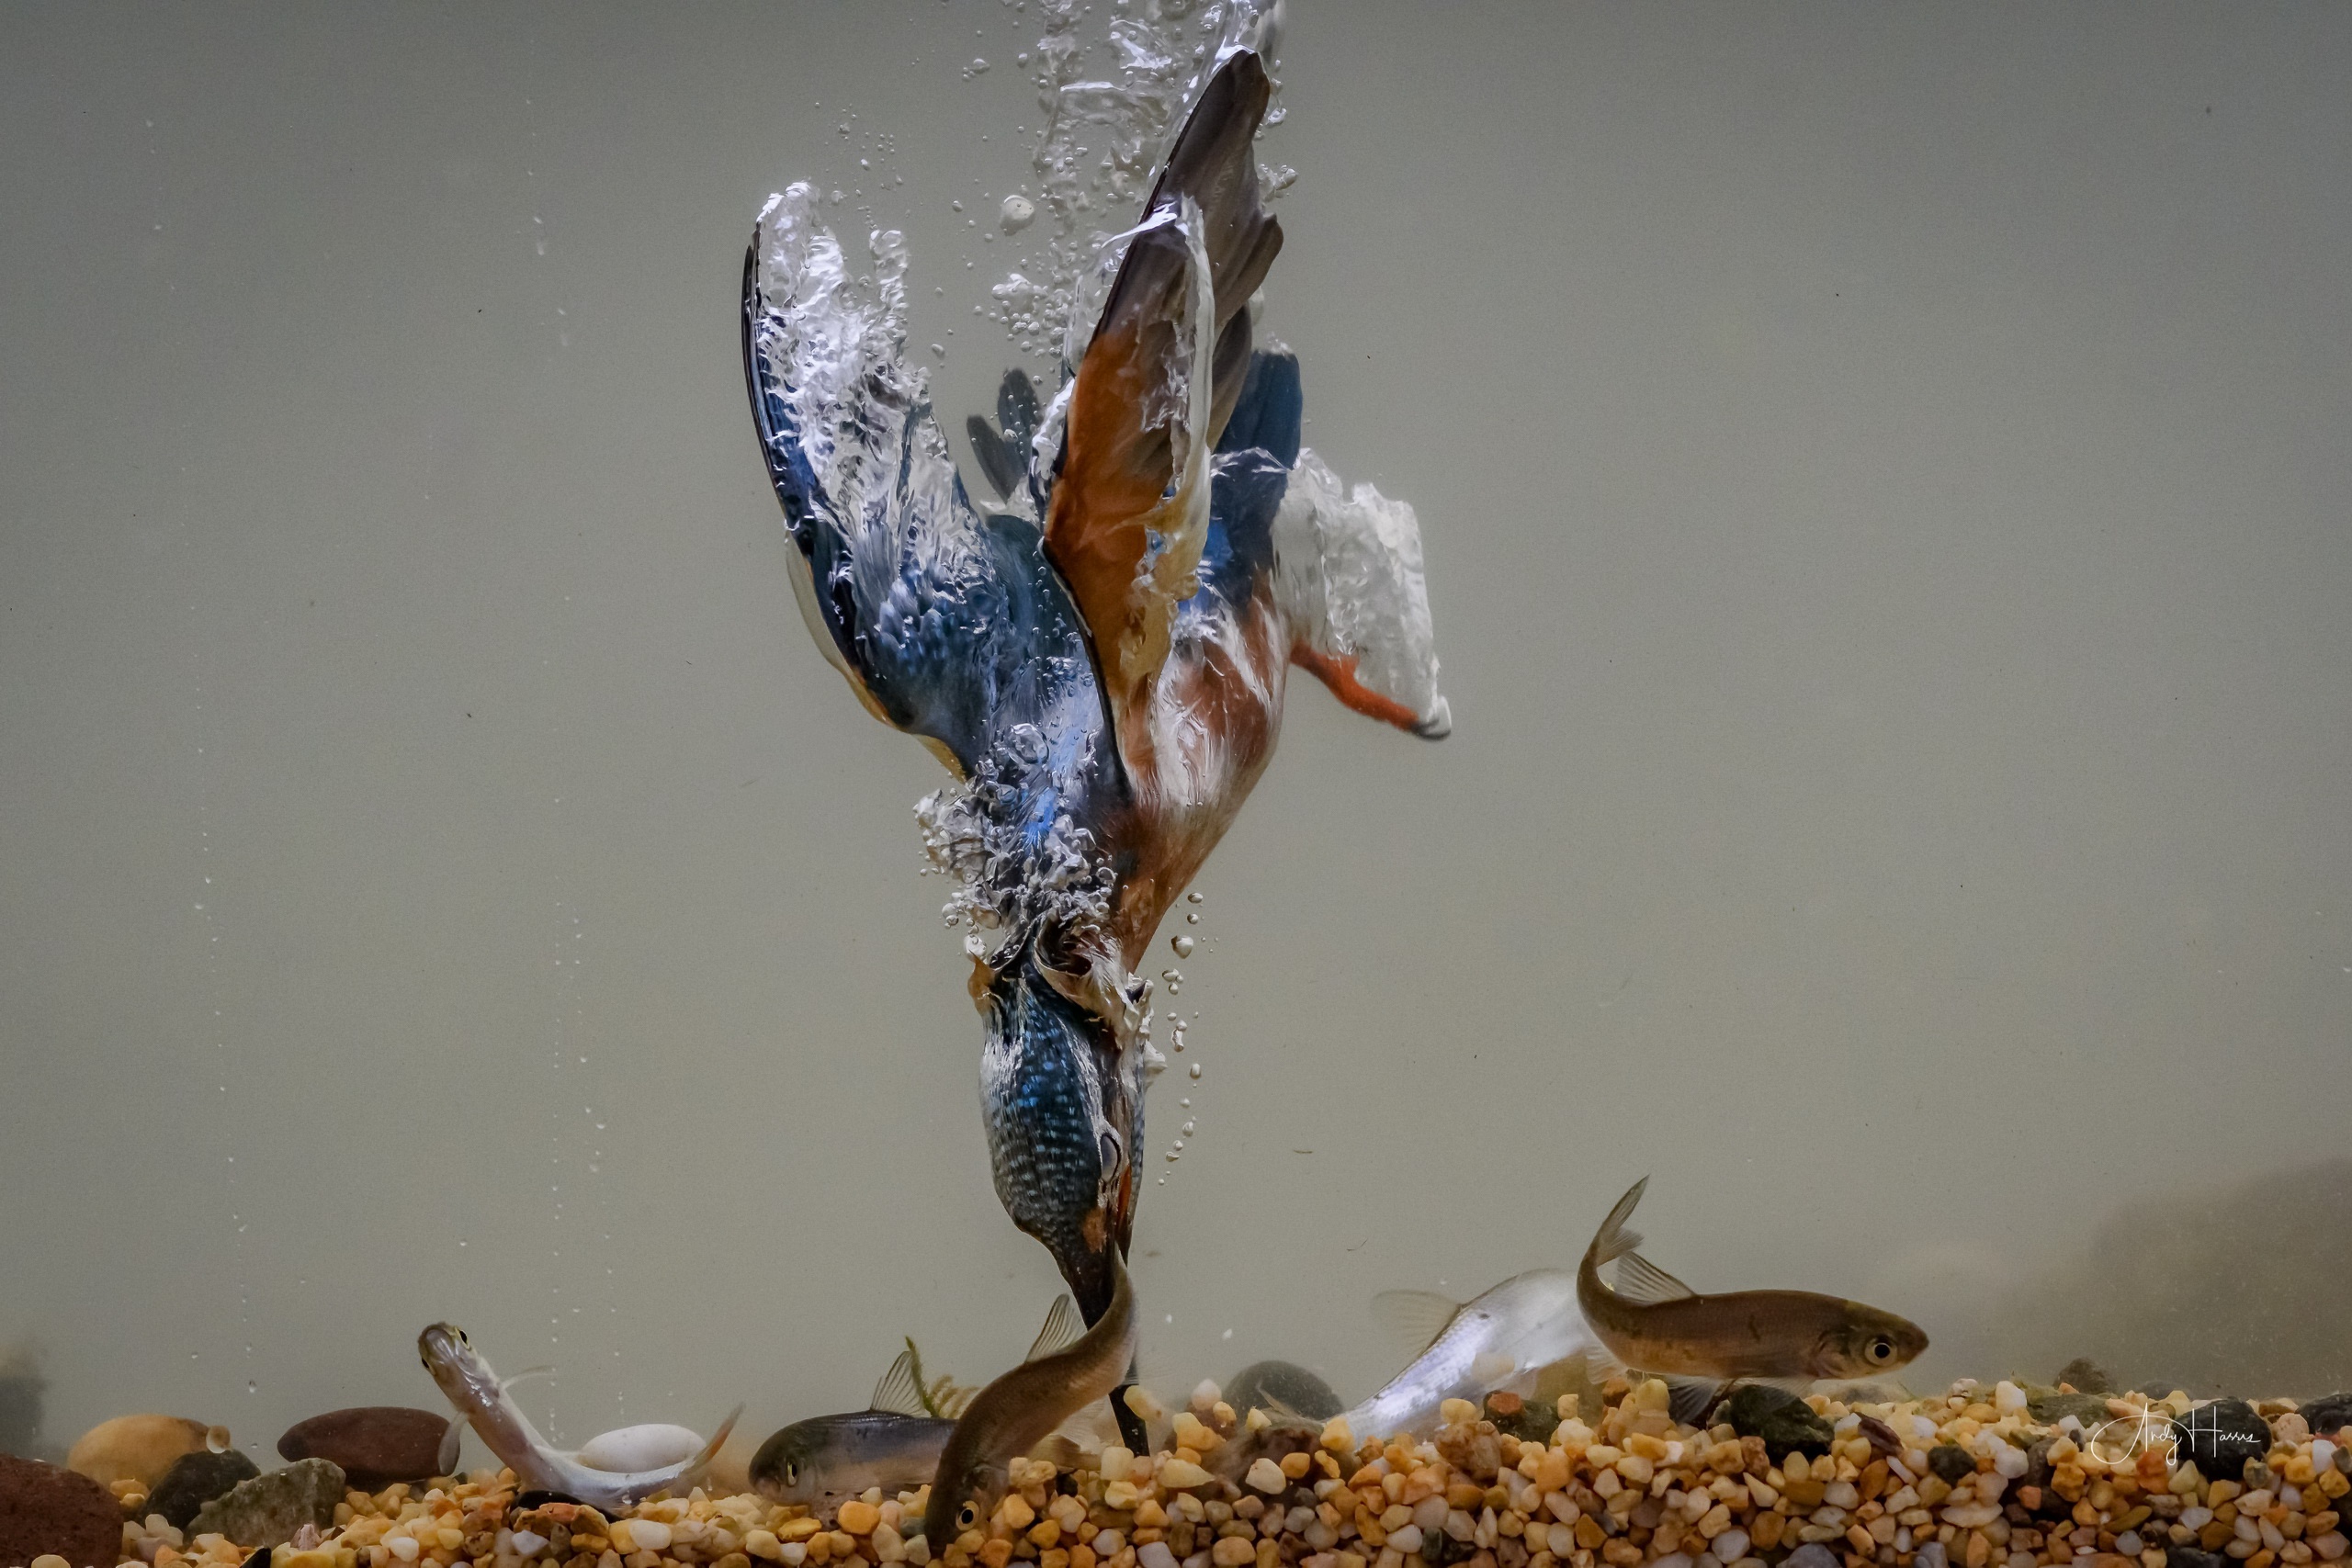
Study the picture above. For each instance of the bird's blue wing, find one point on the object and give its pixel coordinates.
(950, 625)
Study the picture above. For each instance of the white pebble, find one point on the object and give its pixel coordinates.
(1671, 1560)
(1108, 1543)
(404, 1547)
(1931, 1556)
(1841, 1494)
(651, 1535)
(647, 1447)
(2008, 1398)
(2323, 1455)
(527, 1543)
(1267, 1476)
(2008, 1460)
(2128, 1543)
(792, 1554)
(1205, 1393)
(1728, 1547)
(2195, 1518)
(1155, 1554)
(1846, 1425)
(1407, 1541)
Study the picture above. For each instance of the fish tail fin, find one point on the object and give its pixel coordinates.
(710, 1450)
(1614, 1240)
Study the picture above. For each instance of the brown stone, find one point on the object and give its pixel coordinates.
(44, 1509)
(374, 1445)
(140, 1448)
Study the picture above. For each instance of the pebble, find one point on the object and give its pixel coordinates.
(374, 1445)
(2222, 1438)
(46, 1511)
(2329, 1416)
(2049, 1409)
(268, 1509)
(647, 1447)
(194, 1480)
(140, 1448)
(1951, 1463)
(1783, 1422)
(1182, 1475)
(1543, 1487)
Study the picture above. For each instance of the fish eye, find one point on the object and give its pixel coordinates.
(1882, 1350)
(791, 1473)
(968, 1516)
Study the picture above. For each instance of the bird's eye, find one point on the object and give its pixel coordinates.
(1882, 1350)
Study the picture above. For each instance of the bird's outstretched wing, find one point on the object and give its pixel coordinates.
(1129, 512)
(948, 625)
(1348, 576)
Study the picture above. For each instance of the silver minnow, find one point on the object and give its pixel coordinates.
(1022, 1408)
(1501, 1339)
(894, 1443)
(465, 1380)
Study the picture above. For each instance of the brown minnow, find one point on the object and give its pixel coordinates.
(1022, 1408)
(1654, 1322)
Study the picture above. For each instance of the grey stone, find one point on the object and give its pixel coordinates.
(1266, 1384)
(1785, 1423)
(268, 1509)
(194, 1480)
(2223, 1437)
(2327, 1416)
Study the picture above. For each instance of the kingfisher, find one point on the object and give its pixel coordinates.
(1099, 658)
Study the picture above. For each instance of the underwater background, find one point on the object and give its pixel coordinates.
(1884, 490)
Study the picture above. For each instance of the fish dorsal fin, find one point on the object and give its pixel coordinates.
(898, 1392)
(1639, 1280)
(1062, 1331)
(1612, 1239)
(1415, 1317)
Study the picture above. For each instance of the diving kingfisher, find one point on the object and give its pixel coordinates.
(1099, 659)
